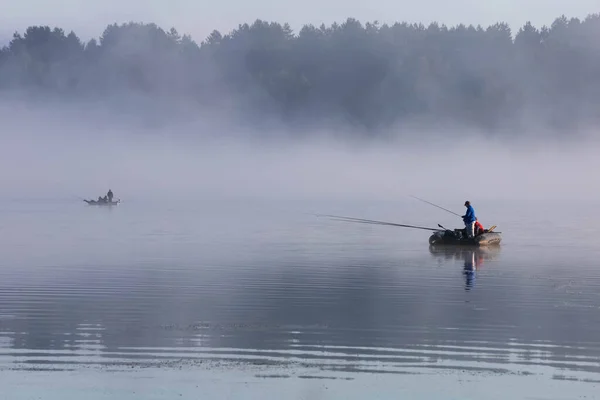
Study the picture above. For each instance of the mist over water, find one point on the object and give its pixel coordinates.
(215, 261)
(60, 153)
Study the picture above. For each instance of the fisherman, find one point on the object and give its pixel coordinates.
(469, 219)
(100, 199)
(110, 195)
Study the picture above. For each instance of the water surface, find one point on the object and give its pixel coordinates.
(249, 284)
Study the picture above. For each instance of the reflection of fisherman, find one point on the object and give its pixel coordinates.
(110, 195)
(472, 264)
(469, 270)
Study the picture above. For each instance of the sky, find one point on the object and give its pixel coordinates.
(198, 18)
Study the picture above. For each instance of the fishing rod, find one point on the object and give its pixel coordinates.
(435, 205)
(374, 222)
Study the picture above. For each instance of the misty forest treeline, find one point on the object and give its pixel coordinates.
(368, 75)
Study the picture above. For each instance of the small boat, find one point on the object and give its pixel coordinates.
(102, 203)
(440, 236)
(459, 237)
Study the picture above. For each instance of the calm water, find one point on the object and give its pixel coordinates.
(245, 284)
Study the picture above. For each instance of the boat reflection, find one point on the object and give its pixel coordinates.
(473, 258)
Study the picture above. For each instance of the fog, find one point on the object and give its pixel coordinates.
(59, 152)
(350, 111)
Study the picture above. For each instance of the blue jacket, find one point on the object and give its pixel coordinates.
(469, 217)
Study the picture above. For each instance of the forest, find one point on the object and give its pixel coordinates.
(366, 75)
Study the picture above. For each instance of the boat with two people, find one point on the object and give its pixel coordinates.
(107, 200)
(473, 234)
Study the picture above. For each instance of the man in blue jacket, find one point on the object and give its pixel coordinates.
(469, 219)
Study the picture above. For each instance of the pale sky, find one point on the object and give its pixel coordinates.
(198, 18)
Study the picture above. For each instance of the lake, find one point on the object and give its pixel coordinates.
(245, 298)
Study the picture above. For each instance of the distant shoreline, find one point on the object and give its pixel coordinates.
(369, 77)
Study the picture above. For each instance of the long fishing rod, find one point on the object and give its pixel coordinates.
(374, 222)
(435, 205)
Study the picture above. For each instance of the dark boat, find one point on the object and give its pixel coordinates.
(459, 237)
(102, 203)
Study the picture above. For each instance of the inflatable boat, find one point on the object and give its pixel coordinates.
(459, 237)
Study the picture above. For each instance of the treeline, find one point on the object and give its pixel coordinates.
(367, 75)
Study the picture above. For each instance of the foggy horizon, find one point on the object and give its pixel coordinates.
(68, 156)
(361, 77)
(350, 110)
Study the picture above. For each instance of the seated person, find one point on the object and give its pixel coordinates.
(478, 228)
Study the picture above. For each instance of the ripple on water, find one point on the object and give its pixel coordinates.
(357, 301)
